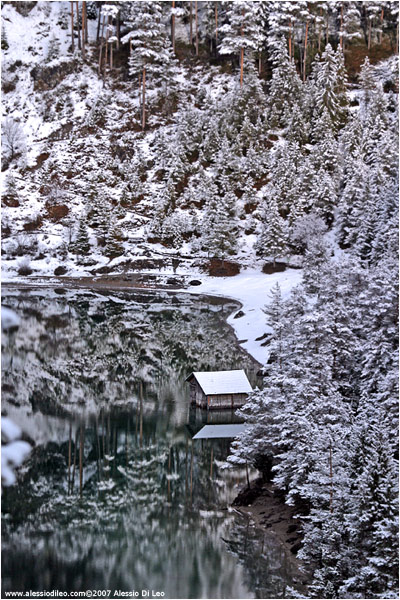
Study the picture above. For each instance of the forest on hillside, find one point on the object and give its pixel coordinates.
(257, 134)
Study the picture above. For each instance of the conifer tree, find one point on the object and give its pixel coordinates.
(82, 244)
(151, 57)
(330, 87)
(273, 237)
(241, 32)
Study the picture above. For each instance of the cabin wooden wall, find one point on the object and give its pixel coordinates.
(215, 401)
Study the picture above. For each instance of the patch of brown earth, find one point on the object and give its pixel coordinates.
(265, 504)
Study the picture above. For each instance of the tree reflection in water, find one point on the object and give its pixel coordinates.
(116, 495)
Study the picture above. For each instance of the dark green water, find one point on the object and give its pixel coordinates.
(116, 495)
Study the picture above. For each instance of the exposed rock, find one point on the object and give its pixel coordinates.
(222, 268)
(57, 212)
(276, 267)
(47, 77)
(239, 314)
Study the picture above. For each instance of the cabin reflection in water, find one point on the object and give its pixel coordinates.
(219, 389)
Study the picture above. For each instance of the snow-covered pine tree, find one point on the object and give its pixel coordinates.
(329, 87)
(151, 57)
(114, 246)
(82, 244)
(285, 88)
(273, 237)
(349, 22)
(219, 225)
(241, 33)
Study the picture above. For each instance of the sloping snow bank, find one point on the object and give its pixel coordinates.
(253, 290)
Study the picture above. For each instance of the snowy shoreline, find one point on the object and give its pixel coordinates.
(251, 288)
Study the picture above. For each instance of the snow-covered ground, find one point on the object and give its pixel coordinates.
(253, 290)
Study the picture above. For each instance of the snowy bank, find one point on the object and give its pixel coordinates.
(253, 290)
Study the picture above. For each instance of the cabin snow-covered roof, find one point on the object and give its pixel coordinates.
(222, 382)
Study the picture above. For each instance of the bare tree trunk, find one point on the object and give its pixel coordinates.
(101, 44)
(369, 33)
(327, 27)
(247, 476)
(259, 63)
(191, 25)
(381, 28)
(81, 441)
(111, 55)
(191, 474)
(341, 28)
(141, 385)
(305, 53)
(331, 478)
(118, 27)
(241, 65)
(98, 26)
(69, 456)
(197, 28)
(216, 26)
(173, 26)
(319, 32)
(211, 461)
(107, 36)
(241, 55)
(79, 28)
(72, 27)
(73, 469)
(83, 29)
(169, 473)
(290, 38)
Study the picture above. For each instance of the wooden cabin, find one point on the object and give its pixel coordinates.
(219, 389)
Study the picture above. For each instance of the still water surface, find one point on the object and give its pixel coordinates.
(116, 495)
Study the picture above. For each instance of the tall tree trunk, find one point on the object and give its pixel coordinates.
(141, 385)
(330, 478)
(259, 63)
(84, 14)
(369, 32)
(111, 55)
(241, 52)
(319, 32)
(101, 44)
(83, 29)
(341, 28)
(197, 28)
(327, 27)
(72, 27)
(191, 25)
(173, 26)
(81, 442)
(73, 468)
(216, 26)
(98, 26)
(118, 27)
(290, 38)
(305, 53)
(169, 473)
(79, 27)
(69, 456)
(381, 27)
(191, 474)
(107, 36)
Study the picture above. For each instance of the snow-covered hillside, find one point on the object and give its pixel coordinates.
(221, 170)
